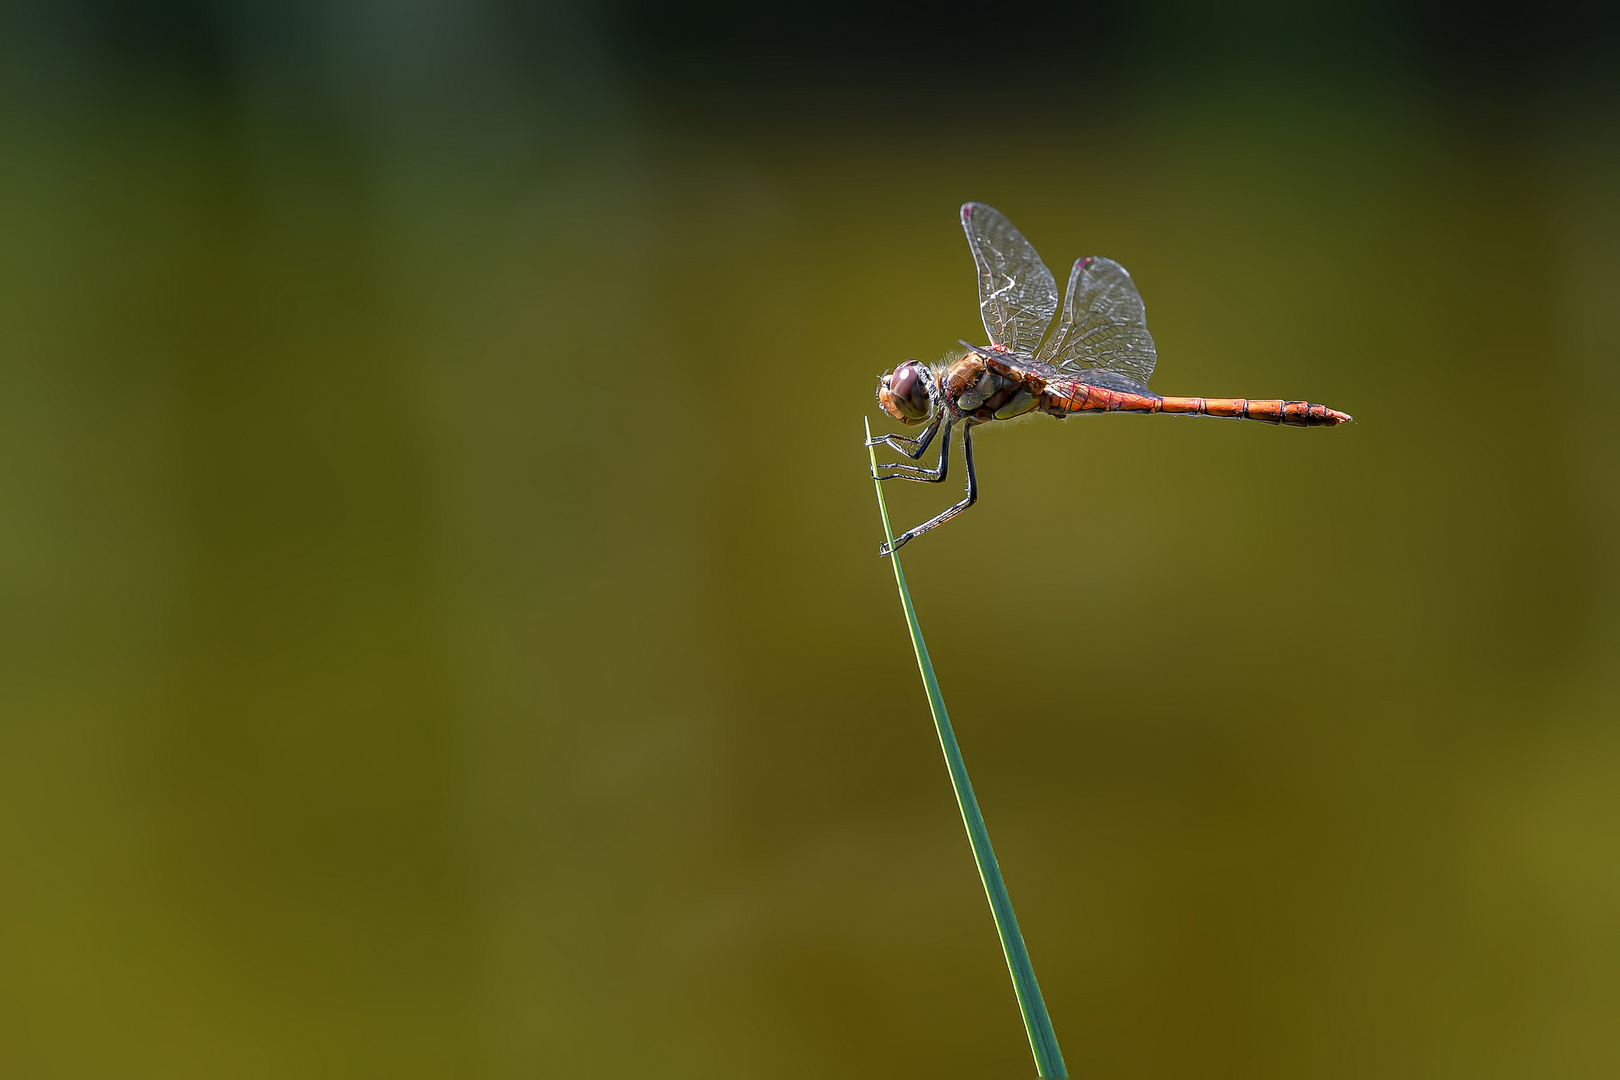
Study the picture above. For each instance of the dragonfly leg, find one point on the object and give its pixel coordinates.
(918, 444)
(972, 497)
(917, 472)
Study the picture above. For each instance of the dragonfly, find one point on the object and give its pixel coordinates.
(1096, 359)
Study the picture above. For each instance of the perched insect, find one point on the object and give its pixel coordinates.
(1096, 359)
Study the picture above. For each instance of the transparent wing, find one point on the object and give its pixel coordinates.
(1104, 327)
(1017, 293)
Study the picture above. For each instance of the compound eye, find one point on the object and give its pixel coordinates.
(909, 391)
(905, 381)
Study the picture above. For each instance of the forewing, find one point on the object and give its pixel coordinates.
(1017, 293)
(1104, 324)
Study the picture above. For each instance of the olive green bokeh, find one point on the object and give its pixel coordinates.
(443, 632)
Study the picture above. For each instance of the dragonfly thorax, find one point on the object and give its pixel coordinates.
(977, 391)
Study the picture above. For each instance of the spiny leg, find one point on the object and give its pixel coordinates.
(918, 444)
(972, 496)
(917, 472)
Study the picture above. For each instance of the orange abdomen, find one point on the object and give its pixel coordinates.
(1065, 398)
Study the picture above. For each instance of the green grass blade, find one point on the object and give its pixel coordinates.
(1042, 1040)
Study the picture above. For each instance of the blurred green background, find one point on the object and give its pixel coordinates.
(442, 631)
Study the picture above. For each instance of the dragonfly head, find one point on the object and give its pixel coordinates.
(906, 394)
